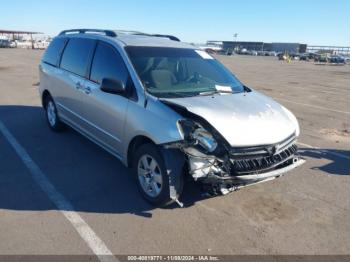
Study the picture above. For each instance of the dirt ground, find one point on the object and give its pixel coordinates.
(319, 95)
(304, 212)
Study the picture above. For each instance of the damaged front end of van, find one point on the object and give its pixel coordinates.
(222, 167)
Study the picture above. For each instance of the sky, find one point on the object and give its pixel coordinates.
(314, 22)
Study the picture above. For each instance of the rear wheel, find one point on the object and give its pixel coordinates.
(151, 175)
(51, 115)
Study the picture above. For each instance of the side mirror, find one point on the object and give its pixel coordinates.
(112, 86)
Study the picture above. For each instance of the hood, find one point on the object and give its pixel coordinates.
(245, 119)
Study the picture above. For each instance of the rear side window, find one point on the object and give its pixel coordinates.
(108, 63)
(76, 55)
(53, 52)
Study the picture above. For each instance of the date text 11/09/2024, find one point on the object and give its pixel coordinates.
(173, 258)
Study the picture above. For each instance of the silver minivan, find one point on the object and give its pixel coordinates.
(167, 110)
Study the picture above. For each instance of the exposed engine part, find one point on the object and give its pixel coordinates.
(200, 168)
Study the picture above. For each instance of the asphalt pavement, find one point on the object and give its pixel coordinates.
(62, 194)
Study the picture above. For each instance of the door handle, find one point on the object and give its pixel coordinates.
(78, 86)
(87, 90)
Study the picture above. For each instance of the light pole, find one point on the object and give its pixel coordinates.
(235, 40)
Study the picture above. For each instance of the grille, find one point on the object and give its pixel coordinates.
(258, 164)
(258, 151)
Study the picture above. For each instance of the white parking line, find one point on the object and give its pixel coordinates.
(97, 246)
(325, 151)
(313, 106)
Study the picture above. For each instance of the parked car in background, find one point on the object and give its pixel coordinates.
(25, 44)
(304, 57)
(13, 44)
(244, 52)
(288, 56)
(295, 56)
(262, 53)
(347, 59)
(229, 52)
(41, 44)
(336, 59)
(282, 56)
(311, 55)
(4, 43)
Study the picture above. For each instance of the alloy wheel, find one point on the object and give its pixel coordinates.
(149, 175)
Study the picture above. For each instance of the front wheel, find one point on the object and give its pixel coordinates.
(151, 175)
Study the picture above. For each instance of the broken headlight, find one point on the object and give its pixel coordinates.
(195, 133)
(205, 139)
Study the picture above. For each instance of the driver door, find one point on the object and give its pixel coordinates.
(105, 112)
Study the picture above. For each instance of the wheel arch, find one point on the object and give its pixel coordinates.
(134, 144)
(46, 94)
(174, 163)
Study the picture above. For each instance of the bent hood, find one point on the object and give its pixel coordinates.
(245, 119)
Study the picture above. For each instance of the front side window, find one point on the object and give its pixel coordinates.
(179, 72)
(76, 55)
(108, 63)
(53, 52)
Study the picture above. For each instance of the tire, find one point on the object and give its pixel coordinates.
(52, 117)
(155, 179)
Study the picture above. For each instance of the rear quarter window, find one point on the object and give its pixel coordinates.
(77, 55)
(53, 52)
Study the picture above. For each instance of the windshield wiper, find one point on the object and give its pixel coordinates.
(209, 93)
(173, 94)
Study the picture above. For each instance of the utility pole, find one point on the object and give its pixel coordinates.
(235, 40)
(32, 41)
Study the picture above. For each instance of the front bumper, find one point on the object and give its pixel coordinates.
(230, 169)
(229, 183)
(297, 161)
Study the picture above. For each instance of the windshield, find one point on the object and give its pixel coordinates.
(179, 72)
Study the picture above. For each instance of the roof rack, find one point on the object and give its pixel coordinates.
(84, 31)
(171, 37)
(112, 33)
(129, 32)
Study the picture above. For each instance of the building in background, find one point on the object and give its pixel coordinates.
(336, 50)
(261, 46)
(20, 39)
(288, 47)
